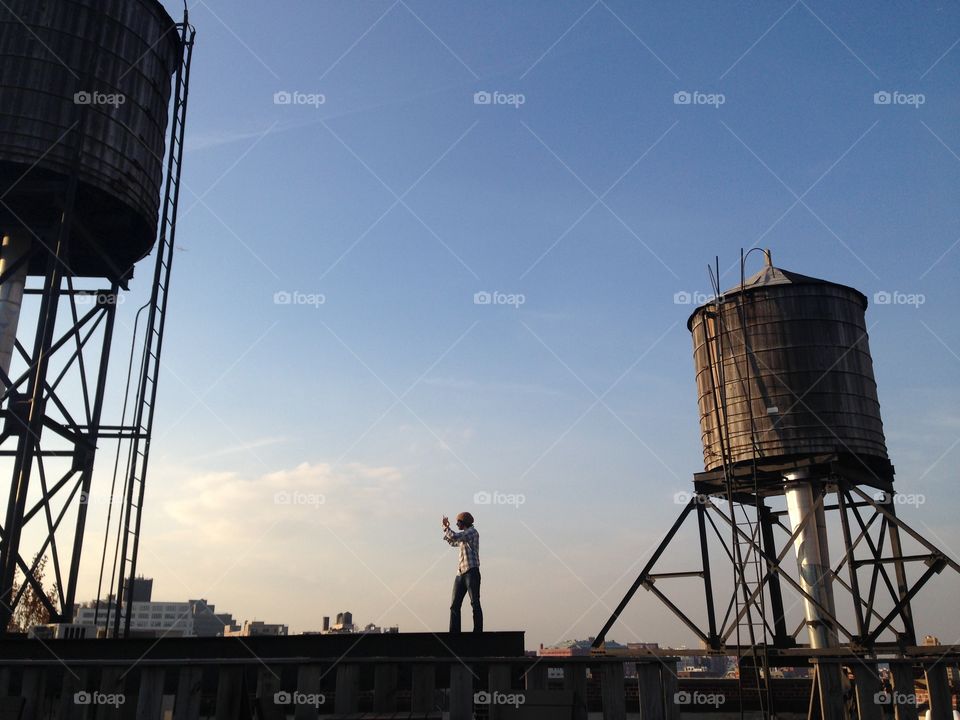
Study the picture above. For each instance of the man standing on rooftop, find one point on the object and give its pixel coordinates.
(468, 576)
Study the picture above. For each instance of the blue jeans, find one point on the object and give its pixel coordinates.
(468, 582)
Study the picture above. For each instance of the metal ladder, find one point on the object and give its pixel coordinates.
(752, 575)
(753, 625)
(139, 454)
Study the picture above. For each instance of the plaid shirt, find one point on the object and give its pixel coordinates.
(469, 542)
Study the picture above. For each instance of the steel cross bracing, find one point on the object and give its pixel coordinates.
(143, 411)
(50, 430)
(872, 541)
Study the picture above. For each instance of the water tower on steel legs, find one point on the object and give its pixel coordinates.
(90, 155)
(795, 463)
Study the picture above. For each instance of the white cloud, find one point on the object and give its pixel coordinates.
(220, 507)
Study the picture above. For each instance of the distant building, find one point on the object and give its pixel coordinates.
(192, 618)
(952, 674)
(345, 626)
(209, 623)
(59, 631)
(581, 648)
(257, 628)
(172, 619)
(703, 665)
(371, 628)
(576, 648)
(142, 589)
(642, 646)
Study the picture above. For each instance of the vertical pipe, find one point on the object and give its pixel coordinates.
(813, 560)
(780, 634)
(16, 244)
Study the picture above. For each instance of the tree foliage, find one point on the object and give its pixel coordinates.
(30, 610)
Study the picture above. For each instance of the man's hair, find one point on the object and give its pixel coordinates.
(466, 517)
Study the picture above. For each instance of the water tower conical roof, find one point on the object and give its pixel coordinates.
(770, 276)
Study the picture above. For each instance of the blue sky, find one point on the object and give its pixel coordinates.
(598, 199)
